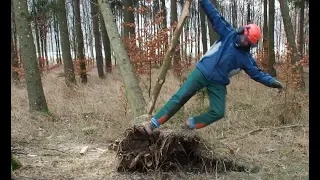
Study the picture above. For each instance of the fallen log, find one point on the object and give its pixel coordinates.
(176, 150)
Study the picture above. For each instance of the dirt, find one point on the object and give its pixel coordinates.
(172, 150)
(49, 147)
(59, 159)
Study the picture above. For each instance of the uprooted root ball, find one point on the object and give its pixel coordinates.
(175, 150)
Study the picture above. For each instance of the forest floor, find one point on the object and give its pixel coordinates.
(257, 125)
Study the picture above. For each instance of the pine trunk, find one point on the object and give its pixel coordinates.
(133, 91)
(291, 40)
(203, 30)
(97, 37)
(106, 45)
(65, 43)
(36, 96)
(174, 19)
(80, 47)
(271, 59)
(301, 28)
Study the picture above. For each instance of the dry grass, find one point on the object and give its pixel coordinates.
(96, 113)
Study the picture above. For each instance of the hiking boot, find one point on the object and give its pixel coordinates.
(185, 125)
(147, 128)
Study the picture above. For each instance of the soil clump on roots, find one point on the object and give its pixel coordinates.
(176, 150)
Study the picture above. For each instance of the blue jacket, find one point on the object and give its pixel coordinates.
(223, 58)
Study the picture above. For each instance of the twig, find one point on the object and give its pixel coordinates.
(266, 128)
(249, 133)
(289, 126)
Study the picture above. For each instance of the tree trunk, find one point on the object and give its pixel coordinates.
(45, 48)
(80, 47)
(271, 59)
(14, 61)
(301, 28)
(168, 56)
(36, 96)
(65, 43)
(106, 45)
(57, 39)
(164, 25)
(249, 12)
(74, 40)
(203, 30)
(174, 19)
(97, 37)
(129, 30)
(234, 14)
(212, 34)
(265, 33)
(133, 91)
(36, 31)
(290, 38)
(14, 52)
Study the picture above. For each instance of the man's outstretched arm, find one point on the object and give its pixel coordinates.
(251, 68)
(220, 25)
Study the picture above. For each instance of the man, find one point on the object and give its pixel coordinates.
(229, 55)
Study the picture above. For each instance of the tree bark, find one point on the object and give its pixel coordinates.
(212, 34)
(14, 53)
(133, 91)
(249, 12)
(14, 61)
(234, 14)
(301, 28)
(65, 43)
(203, 30)
(36, 96)
(164, 25)
(80, 47)
(106, 45)
(265, 32)
(97, 37)
(271, 53)
(128, 18)
(168, 56)
(290, 36)
(174, 19)
(36, 31)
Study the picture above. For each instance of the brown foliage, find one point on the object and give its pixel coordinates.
(150, 51)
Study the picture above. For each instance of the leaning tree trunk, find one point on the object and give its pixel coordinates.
(36, 96)
(290, 37)
(133, 91)
(271, 59)
(65, 43)
(168, 56)
(106, 45)
(97, 37)
(80, 47)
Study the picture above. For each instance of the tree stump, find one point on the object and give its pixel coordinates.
(176, 150)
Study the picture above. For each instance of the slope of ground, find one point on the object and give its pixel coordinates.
(257, 125)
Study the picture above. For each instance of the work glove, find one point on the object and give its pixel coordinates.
(277, 84)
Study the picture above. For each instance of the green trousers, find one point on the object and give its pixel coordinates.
(195, 82)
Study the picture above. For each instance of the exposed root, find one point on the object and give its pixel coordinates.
(176, 150)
